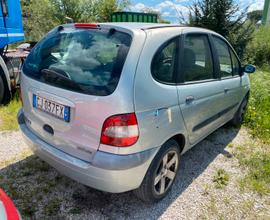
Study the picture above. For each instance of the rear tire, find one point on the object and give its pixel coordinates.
(240, 114)
(161, 174)
(2, 90)
(5, 94)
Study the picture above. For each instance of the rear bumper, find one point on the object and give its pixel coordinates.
(107, 172)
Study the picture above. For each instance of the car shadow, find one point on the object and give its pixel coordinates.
(39, 190)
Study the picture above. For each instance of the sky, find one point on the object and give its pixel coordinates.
(170, 10)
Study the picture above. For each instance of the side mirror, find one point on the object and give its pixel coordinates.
(248, 69)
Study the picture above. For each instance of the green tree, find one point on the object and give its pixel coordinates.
(42, 15)
(38, 18)
(68, 8)
(258, 50)
(255, 16)
(225, 18)
(87, 10)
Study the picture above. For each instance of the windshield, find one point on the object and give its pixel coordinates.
(89, 61)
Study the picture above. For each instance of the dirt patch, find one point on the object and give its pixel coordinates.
(40, 192)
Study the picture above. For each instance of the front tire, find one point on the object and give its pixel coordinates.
(239, 115)
(161, 173)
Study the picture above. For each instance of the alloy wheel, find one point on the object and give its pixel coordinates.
(166, 172)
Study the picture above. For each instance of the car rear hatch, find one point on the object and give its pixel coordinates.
(72, 80)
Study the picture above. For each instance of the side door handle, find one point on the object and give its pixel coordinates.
(189, 99)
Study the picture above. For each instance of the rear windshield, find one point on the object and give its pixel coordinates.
(88, 61)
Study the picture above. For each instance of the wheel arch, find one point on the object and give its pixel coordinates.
(180, 139)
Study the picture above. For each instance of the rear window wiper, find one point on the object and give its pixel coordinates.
(57, 71)
(55, 77)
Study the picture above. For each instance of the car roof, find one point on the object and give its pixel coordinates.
(148, 26)
(141, 26)
(133, 26)
(137, 25)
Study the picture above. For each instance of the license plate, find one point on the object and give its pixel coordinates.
(53, 108)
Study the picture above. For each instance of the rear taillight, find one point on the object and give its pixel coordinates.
(120, 130)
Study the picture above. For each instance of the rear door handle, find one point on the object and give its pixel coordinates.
(189, 99)
(226, 90)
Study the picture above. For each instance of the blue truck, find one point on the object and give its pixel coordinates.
(11, 31)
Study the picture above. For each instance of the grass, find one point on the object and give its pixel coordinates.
(221, 178)
(257, 161)
(30, 182)
(8, 113)
(52, 207)
(258, 177)
(258, 114)
(75, 210)
(256, 156)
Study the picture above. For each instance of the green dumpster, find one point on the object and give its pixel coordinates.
(134, 17)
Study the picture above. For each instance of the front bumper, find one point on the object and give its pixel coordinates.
(107, 172)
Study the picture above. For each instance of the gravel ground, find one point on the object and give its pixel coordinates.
(12, 147)
(40, 192)
(11, 144)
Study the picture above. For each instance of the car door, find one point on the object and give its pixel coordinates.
(230, 80)
(199, 91)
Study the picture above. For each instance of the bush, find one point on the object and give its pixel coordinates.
(258, 50)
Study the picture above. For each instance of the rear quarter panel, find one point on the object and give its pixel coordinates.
(149, 96)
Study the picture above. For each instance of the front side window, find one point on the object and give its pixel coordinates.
(88, 61)
(163, 64)
(197, 63)
(224, 57)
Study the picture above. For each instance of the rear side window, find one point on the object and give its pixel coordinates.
(224, 57)
(197, 63)
(88, 61)
(163, 63)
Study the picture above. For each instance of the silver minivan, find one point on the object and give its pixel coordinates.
(114, 105)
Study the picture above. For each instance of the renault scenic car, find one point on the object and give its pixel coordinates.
(114, 105)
